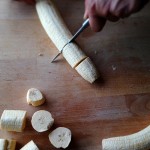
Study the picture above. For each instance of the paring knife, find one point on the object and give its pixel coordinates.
(84, 26)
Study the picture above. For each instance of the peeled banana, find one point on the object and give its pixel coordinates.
(60, 35)
(7, 144)
(35, 97)
(136, 141)
(42, 120)
(60, 137)
(30, 146)
(13, 120)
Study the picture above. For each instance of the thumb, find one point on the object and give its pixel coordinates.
(97, 23)
(86, 9)
(85, 15)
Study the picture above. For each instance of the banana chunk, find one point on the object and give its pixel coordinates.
(60, 137)
(7, 144)
(30, 146)
(87, 70)
(11, 145)
(73, 54)
(35, 97)
(42, 120)
(13, 120)
(3, 144)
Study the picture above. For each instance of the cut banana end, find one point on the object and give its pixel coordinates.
(60, 137)
(30, 146)
(13, 120)
(42, 121)
(35, 97)
(3, 144)
(87, 70)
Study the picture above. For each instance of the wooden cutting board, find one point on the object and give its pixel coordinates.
(117, 104)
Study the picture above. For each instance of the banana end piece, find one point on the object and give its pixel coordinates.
(87, 70)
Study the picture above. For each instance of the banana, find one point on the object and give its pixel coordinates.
(3, 144)
(136, 141)
(11, 145)
(7, 144)
(57, 31)
(35, 97)
(60, 35)
(13, 120)
(60, 137)
(87, 70)
(42, 120)
(30, 146)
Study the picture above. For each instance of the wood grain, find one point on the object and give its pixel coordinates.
(118, 104)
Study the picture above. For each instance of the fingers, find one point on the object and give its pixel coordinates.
(112, 18)
(89, 8)
(120, 8)
(98, 11)
(97, 23)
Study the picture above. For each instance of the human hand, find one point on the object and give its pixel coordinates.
(99, 11)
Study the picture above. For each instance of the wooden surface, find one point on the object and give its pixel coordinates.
(117, 104)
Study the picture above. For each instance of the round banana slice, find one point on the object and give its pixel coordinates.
(60, 137)
(35, 97)
(42, 120)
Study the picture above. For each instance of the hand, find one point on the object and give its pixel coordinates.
(28, 1)
(99, 11)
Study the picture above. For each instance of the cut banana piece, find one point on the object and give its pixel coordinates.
(42, 120)
(3, 144)
(13, 120)
(35, 97)
(60, 35)
(7, 144)
(11, 145)
(30, 146)
(73, 54)
(87, 70)
(60, 137)
(136, 141)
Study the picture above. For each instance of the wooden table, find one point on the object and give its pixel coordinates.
(117, 104)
